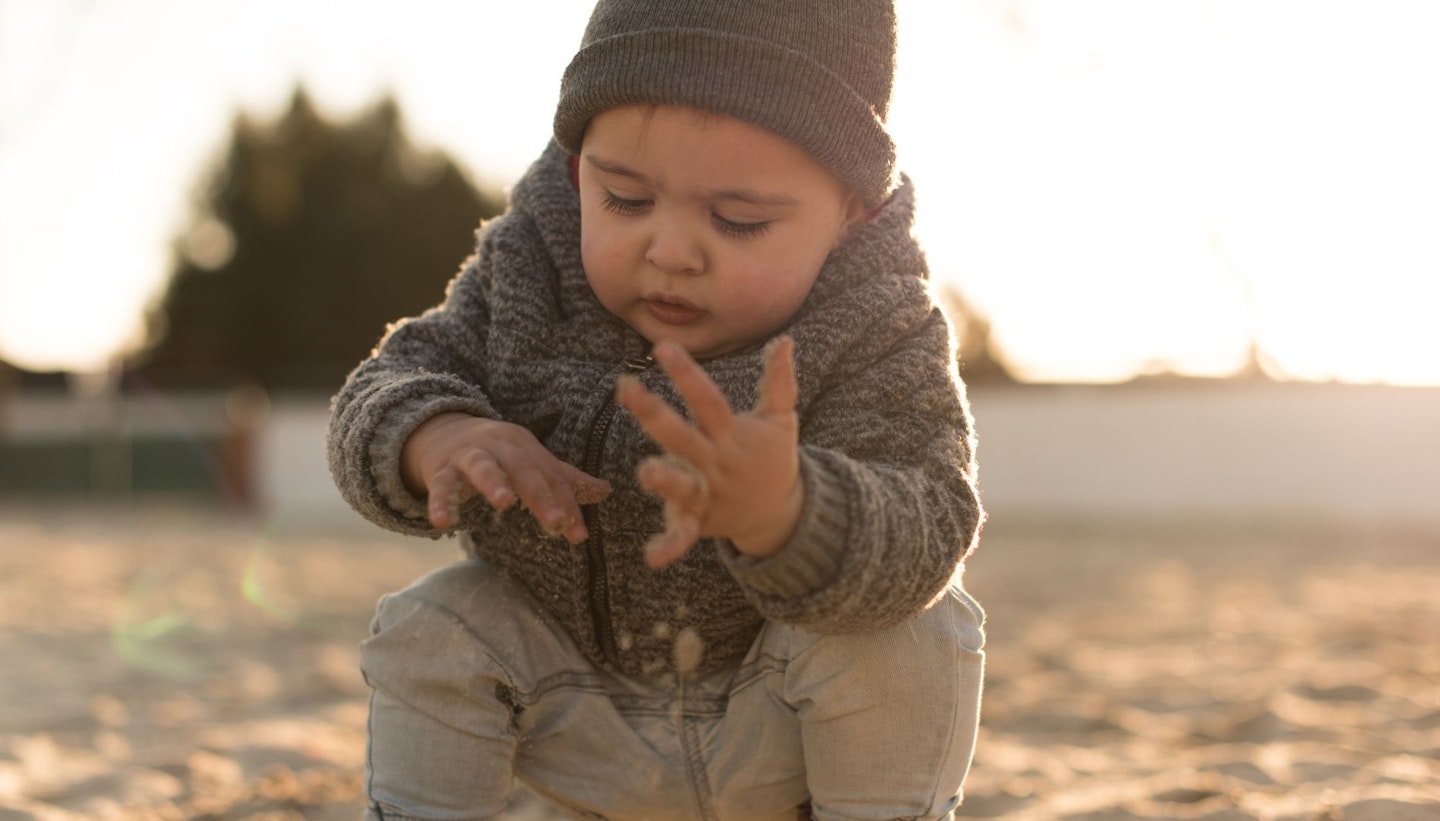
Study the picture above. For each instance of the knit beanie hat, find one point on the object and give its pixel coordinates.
(816, 72)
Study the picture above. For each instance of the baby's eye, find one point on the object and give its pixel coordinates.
(620, 205)
(740, 230)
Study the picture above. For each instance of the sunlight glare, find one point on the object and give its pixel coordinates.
(1118, 186)
(1122, 198)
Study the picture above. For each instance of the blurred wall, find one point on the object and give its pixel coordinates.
(1278, 452)
(1223, 452)
(66, 444)
(292, 474)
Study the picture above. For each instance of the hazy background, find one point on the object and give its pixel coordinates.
(1190, 248)
(1120, 187)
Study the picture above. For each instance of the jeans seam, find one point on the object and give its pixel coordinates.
(756, 671)
(370, 757)
(947, 748)
(433, 715)
(510, 679)
(392, 815)
(949, 738)
(523, 697)
(694, 758)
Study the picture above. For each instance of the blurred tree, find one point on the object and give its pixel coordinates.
(311, 237)
(979, 359)
(9, 383)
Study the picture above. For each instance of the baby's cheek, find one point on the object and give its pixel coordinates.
(768, 301)
(788, 282)
(603, 268)
(598, 241)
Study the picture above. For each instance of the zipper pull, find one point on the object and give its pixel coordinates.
(636, 364)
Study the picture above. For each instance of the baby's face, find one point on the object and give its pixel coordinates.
(701, 228)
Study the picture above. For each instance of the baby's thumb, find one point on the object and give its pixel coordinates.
(587, 489)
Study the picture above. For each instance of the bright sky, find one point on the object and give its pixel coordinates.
(1119, 185)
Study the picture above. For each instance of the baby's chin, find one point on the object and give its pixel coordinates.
(699, 346)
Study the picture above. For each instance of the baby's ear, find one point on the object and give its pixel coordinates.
(852, 213)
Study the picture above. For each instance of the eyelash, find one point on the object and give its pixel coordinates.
(625, 207)
(739, 230)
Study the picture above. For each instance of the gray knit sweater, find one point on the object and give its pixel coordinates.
(887, 461)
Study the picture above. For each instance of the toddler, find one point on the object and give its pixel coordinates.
(699, 426)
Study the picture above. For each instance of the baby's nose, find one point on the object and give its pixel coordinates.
(673, 250)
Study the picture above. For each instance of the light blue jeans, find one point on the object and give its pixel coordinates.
(474, 686)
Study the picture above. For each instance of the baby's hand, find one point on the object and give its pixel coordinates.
(729, 475)
(453, 457)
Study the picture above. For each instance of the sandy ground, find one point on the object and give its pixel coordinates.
(175, 663)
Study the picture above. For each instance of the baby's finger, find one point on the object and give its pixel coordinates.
(658, 419)
(778, 389)
(680, 534)
(571, 520)
(707, 404)
(588, 490)
(486, 476)
(557, 511)
(446, 490)
(535, 491)
(675, 480)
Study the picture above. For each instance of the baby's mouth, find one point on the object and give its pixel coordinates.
(672, 310)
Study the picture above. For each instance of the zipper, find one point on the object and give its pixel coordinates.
(597, 575)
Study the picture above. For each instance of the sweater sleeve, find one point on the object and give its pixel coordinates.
(424, 366)
(891, 506)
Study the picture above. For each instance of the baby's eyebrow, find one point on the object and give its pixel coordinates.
(754, 197)
(616, 168)
(738, 194)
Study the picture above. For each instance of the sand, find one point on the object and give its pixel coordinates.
(174, 662)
